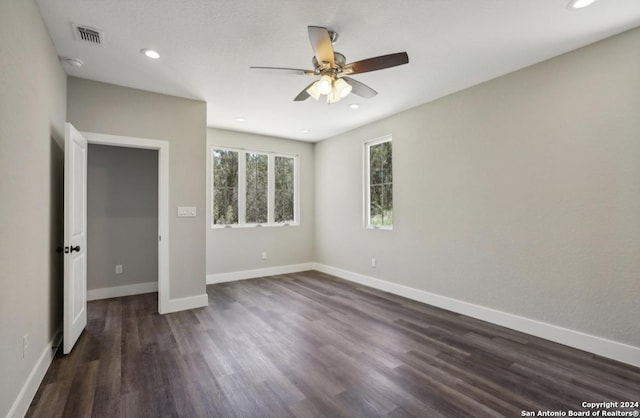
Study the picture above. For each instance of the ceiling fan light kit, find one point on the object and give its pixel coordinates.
(335, 89)
(332, 68)
(313, 90)
(324, 84)
(342, 87)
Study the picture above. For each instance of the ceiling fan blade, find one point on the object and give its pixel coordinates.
(303, 94)
(296, 71)
(359, 88)
(321, 44)
(376, 63)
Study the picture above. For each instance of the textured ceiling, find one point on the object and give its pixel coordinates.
(207, 47)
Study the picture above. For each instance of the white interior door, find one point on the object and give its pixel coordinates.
(75, 237)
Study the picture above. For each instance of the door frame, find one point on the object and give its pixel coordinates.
(163, 201)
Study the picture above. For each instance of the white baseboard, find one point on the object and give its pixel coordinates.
(30, 387)
(118, 291)
(173, 305)
(190, 302)
(252, 274)
(586, 342)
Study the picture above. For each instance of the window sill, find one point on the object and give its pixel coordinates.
(253, 226)
(383, 228)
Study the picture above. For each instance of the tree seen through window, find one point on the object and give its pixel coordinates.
(225, 187)
(380, 184)
(253, 188)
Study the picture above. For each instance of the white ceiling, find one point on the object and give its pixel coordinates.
(207, 46)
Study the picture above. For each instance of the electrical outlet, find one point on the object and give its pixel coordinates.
(25, 345)
(119, 269)
(373, 263)
(264, 255)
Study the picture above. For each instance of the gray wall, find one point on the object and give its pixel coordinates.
(108, 109)
(239, 249)
(521, 194)
(122, 216)
(32, 116)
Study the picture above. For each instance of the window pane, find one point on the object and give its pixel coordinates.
(375, 168)
(264, 193)
(257, 185)
(387, 163)
(225, 187)
(381, 184)
(376, 205)
(387, 204)
(284, 189)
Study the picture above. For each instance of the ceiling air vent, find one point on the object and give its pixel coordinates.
(88, 34)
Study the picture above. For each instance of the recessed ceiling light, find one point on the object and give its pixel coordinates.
(305, 131)
(150, 53)
(240, 119)
(354, 106)
(579, 4)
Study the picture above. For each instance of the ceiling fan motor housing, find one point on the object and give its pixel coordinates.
(339, 59)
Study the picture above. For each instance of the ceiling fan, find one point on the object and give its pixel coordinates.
(332, 68)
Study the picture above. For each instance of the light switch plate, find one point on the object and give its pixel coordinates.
(186, 211)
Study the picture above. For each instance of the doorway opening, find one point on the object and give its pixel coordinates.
(126, 274)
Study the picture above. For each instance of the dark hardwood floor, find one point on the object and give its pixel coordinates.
(311, 345)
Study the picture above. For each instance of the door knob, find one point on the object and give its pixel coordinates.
(76, 248)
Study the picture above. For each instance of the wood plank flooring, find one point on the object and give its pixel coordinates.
(311, 345)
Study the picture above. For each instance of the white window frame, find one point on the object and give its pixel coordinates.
(367, 181)
(271, 189)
